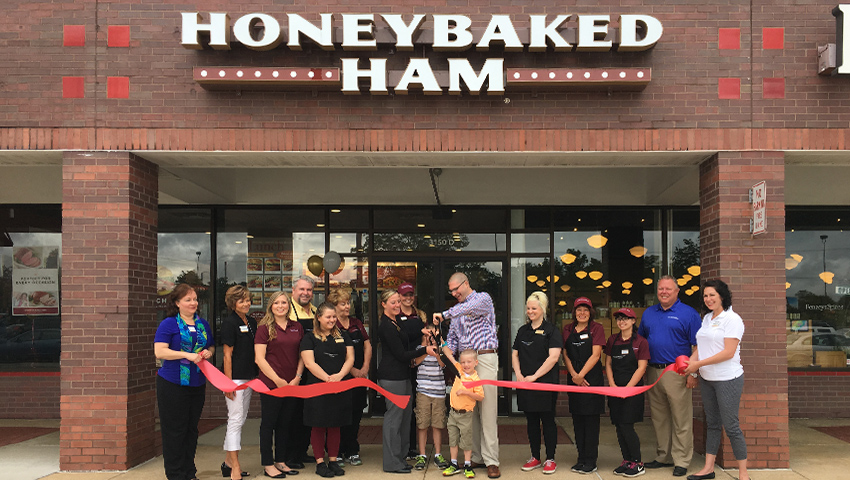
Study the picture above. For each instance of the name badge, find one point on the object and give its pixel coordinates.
(584, 336)
(340, 340)
(625, 351)
(243, 328)
(539, 332)
(715, 323)
(191, 328)
(402, 318)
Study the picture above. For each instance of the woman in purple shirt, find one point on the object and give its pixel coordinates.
(182, 340)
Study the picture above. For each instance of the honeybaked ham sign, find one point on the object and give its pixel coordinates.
(392, 33)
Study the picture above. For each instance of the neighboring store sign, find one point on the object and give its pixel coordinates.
(841, 290)
(449, 33)
(759, 196)
(35, 281)
(842, 41)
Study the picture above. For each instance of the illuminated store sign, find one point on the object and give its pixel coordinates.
(842, 57)
(448, 33)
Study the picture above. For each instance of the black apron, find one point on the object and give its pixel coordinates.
(579, 346)
(358, 394)
(533, 350)
(411, 326)
(306, 323)
(624, 362)
(324, 410)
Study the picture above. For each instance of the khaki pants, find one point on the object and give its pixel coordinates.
(672, 406)
(485, 430)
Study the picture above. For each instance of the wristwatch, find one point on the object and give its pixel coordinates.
(695, 375)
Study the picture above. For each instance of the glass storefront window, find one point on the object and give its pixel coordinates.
(817, 276)
(439, 242)
(530, 242)
(441, 219)
(30, 272)
(183, 256)
(683, 252)
(611, 256)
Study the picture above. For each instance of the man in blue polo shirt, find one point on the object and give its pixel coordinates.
(670, 327)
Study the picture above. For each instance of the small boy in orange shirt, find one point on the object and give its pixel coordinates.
(462, 401)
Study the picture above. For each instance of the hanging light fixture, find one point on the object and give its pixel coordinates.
(568, 258)
(626, 291)
(597, 241)
(606, 283)
(540, 283)
(647, 281)
(531, 278)
(556, 278)
(562, 303)
(681, 282)
(600, 287)
(628, 284)
(581, 274)
(826, 277)
(687, 277)
(787, 285)
(689, 292)
(595, 275)
(694, 270)
(565, 288)
(638, 251)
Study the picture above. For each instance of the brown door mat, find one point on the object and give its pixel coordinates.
(508, 435)
(841, 433)
(10, 435)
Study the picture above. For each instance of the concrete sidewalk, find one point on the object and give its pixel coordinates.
(814, 456)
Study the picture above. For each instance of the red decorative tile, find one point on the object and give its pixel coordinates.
(117, 87)
(773, 38)
(729, 39)
(773, 88)
(118, 36)
(74, 36)
(73, 87)
(729, 88)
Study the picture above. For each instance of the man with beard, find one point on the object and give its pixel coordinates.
(302, 311)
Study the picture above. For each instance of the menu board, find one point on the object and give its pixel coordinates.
(391, 276)
(35, 281)
(269, 269)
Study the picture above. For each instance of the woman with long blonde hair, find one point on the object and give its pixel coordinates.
(276, 350)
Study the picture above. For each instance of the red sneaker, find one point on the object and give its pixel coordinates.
(550, 466)
(531, 464)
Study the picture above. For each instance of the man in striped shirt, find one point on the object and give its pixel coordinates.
(473, 327)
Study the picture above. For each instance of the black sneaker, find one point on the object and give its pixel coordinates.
(336, 469)
(585, 469)
(323, 470)
(634, 470)
(622, 468)
(577, 467)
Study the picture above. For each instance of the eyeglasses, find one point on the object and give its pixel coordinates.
(620, 318)
(453, 290)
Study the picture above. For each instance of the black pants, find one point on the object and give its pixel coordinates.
(275, 423)
(299, 438)
(586, 428)
(349, 445)
(629, 441)
(179, 413)
(550, 433)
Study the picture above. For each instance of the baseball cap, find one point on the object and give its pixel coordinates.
(582, 301)
(626, 312)
(405, 288)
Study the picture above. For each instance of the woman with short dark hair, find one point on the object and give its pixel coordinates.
(717, 358)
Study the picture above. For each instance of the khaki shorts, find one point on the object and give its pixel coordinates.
(430, 411)
(460, 430)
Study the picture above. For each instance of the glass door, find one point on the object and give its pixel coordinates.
(430, 276)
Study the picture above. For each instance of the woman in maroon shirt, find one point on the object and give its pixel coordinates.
(277, 351)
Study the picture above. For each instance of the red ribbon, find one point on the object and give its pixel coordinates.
(621, 392)
(221, 382)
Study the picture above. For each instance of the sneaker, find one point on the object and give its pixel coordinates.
(531, 464)
(355, 460)
(585, 469)
(324, 470)
(635, 470)
(340, 461)
(577, 467)
(421, 463)
(452, 469)
(550, 466)
(468, 472)
(411, 455)
(622, 468)
(440, 461)
(336, 469)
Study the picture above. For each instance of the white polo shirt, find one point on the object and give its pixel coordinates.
(711, 341)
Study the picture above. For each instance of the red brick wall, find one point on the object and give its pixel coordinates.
(35, 395)
(818, 394)
(753, 266)
(166, 109)
(109, 216)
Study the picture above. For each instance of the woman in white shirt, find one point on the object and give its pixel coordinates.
(717, 357)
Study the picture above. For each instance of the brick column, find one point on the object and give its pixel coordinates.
(109, 219)
(754, 268)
